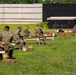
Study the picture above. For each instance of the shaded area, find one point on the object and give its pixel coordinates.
(59, 10)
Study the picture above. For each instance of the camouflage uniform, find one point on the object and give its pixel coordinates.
(19, 38)
(26, 32)
(74, 29)
(39, 32)
(0, 36)
(6, 37)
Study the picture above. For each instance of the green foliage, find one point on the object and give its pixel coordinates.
(47, 1)
(10, 1)
(66, 1)
(44, 24)
(19, 1)
(35, 1)
(60, 1)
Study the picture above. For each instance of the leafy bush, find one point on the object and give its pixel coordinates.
(44, 24)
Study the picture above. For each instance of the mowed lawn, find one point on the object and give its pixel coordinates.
(58, 57)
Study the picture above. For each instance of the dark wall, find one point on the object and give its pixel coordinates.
(59, 10)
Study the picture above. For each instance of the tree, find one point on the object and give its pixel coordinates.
(36, 1)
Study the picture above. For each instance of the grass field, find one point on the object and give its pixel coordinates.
(58, 57)
(13, 27)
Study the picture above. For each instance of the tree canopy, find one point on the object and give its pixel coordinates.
(36, 1)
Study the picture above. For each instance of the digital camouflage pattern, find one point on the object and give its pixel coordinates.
(17, 37)
(6, 36)
(6, 39)
(26, 32)
(39, 32)
(74, 29)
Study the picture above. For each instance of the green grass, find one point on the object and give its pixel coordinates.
(56, 58)
(13, 27)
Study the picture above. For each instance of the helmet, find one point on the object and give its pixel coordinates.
(19, 27)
